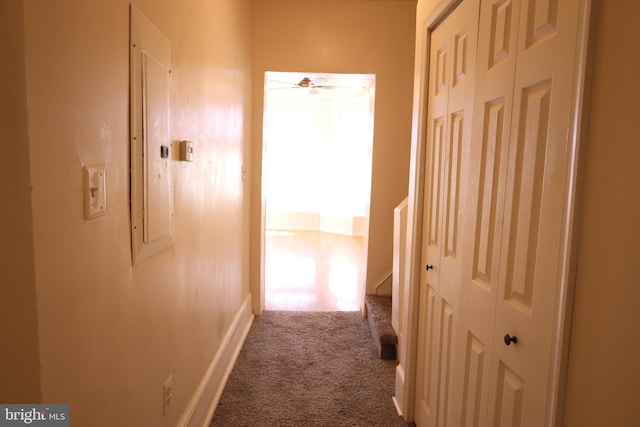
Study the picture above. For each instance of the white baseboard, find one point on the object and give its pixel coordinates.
(204, 401)
(398, 399)
(397, 405)
(384, 286)
(346, 225)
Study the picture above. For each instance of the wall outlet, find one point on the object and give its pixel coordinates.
(167, 394)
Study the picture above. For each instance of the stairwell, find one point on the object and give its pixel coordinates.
(383, 312)
(378, 310)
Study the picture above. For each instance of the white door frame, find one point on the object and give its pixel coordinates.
(406, 370)
(259, 291)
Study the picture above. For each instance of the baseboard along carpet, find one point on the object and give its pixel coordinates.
(309, 369)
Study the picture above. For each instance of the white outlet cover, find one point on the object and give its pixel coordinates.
(95, 191)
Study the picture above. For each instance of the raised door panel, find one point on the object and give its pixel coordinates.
(490, 160)
(474, 383)
(434, 193)
(443, 368)
(425, 384)
(541, 20)
(499, 16)
(452, 186)
(509, 398)
(525, 197)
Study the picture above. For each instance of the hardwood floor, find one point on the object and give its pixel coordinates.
(313, 271)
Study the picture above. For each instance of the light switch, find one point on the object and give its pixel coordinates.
(95, 191)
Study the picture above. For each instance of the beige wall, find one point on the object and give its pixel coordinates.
(603, 370)
(19, 357)
(335, 36)
(110, 333)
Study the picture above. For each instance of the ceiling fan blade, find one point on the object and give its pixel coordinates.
(280, 81)
(318, 81)
(277, 84)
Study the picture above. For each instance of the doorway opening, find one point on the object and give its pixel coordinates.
(318, 144)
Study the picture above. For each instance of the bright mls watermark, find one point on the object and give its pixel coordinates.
(35, 415)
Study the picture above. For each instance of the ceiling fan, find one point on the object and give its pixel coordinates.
(307, 83)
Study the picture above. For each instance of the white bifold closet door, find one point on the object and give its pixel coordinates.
(489, 301)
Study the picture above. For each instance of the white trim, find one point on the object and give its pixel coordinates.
(359, 226)
(345, 225)
(398, 398)
(384, 281)
(206, 397)
(569, 255)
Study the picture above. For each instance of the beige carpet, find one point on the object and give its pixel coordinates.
(309, 369)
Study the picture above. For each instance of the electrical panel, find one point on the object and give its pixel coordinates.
(152, 228)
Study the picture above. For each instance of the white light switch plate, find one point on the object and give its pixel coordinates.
(95, 191)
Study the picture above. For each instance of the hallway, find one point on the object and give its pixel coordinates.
(313, 271)
(309, 369)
